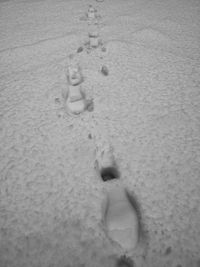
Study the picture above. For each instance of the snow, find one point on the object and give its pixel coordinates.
(147, 108)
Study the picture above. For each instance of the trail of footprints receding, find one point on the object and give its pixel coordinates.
(122, 216)
(75, 99)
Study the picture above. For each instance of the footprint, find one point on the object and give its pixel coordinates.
(120, 218)
(105, 163)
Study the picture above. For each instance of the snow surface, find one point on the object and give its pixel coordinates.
(148, 108)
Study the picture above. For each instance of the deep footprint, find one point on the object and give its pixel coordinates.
(109, 173)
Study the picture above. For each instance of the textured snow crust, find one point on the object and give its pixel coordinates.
(148, 108)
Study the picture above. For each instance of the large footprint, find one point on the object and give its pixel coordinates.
(120, 218)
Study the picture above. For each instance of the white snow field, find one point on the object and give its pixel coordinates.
(147, 108)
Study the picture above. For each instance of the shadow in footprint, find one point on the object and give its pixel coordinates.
(142, 233)
(124, 261)
(109, 173)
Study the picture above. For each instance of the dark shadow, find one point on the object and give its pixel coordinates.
(109, 173)
(124, 261)
(137, 207)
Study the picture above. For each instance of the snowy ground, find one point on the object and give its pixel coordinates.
(148, 108)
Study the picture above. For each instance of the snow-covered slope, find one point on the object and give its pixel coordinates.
(148, 108)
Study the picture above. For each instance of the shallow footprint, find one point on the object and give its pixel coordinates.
(120, 218)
